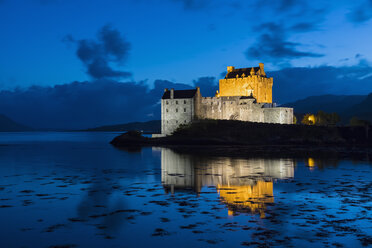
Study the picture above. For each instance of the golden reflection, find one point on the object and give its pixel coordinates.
(311, 163)
(244, 185)
(252, 197)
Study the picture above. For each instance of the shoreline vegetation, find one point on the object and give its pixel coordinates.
(238, 138)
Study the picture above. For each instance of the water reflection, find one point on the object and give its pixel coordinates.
(244, 185)
(313, 163)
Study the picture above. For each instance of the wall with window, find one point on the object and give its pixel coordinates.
(175, 112)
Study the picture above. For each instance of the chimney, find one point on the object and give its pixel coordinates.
(262, 69)
(230, 68)
(171, 93)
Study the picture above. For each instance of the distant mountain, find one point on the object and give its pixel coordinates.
(346, 106)
(362, 110)
(327, 103)
(8, 125)
(147, 127)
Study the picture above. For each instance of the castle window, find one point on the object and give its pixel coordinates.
(185, 121)
(166, 110)
(176, 110)
(176, 102)
(176, 121)
(184, 101)
(166, 102)
(184, 110)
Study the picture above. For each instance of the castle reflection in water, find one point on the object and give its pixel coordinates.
(244, 185)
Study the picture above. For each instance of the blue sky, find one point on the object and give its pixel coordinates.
(180, 40)
(82, 63)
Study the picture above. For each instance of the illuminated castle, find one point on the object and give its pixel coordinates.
(247, 82)
(244, 94)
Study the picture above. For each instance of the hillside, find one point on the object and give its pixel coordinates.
(327, 103)
(8, 125)
(362, 110)
(147, 127)
(347, 107)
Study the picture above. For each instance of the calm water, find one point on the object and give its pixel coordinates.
(76, 190)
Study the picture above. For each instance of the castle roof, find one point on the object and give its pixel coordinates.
(180, 94)
(240, 71)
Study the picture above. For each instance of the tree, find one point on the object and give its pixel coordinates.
(321, 119)
(309, 119)
(357, 122)
(334, 118)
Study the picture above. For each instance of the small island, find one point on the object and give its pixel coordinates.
(229, 137)
(242, 119)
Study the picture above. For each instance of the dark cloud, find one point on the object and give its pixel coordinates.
(85, 104)
(303, 27)
(98, 55)
(194, 4)
(273, 45)
(208, 85)
(362, 13)
(291, 84)
(284, 5)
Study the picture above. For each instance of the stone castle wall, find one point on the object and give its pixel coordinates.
(236, 108)
(175, 112)
(278, 115)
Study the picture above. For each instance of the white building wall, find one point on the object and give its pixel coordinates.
(175, 112)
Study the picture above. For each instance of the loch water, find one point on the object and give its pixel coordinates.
(62, 189)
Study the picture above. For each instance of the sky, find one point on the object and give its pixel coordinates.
(64, 50)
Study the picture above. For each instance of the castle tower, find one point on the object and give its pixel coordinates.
(247, 82)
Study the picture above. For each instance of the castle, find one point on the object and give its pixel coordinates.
(244, 94)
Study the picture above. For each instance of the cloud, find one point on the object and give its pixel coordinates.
(208, 85)
(273, 45)
(303, 27)
(194, 4)
(98, 55)
(295, 83)
(362, 13)
(85, 104)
